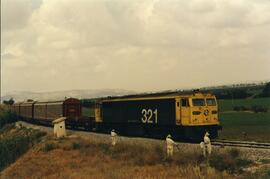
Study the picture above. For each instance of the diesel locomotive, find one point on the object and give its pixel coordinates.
(181, 115)
(186, 115)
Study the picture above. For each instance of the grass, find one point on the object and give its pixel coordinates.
(262, 173)
(227, 105)
(244, 125)
(81, 158)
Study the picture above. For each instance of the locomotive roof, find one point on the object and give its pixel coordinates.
(158, 97)
(156, 94)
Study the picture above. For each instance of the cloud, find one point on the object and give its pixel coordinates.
(17, 13)
(138, 45)
(7, 56)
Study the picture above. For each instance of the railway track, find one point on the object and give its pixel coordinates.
(217, 142)
(241, 144)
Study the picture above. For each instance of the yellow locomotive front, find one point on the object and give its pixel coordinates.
(198, 113)
(204, 110)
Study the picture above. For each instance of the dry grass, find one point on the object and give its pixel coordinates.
(80, 158)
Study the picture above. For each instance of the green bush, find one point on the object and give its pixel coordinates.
(6, 117)
(11, 149)
(14, 144)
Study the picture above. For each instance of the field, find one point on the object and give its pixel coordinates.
(228, 104)
(245, 125)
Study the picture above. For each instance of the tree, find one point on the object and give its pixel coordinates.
(266, 90)
(9, 102)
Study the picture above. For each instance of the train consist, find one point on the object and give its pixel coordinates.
(182, 115)
(46, 112)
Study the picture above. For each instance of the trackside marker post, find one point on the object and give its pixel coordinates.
(59, 129)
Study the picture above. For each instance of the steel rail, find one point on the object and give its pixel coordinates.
(247, 144)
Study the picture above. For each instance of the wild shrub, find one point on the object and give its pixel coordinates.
(245, 108)
(234, 153)
(76, 145)
(265, 161)
(37, 135)
(255, 109)
(258, 109)
(6, 128)
(6, 117)
(188, 157)
(11, 148)
(151, 155)
(237, 108)
(16, 143)
(230, 160)
(49, 146)
(105, 148)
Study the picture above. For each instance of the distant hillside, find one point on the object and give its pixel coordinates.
(236, 91)
(58, 95)
(240, 91)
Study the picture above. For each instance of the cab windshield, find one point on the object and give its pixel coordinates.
(198, 102)
(211, 102)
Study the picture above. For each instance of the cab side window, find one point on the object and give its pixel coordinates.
(184, 102)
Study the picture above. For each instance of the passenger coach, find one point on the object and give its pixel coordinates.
(46, 112)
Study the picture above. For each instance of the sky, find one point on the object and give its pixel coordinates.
(140, 45)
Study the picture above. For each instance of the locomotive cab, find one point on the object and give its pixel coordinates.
(199, 112)
(204, 111)
(198, 109)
